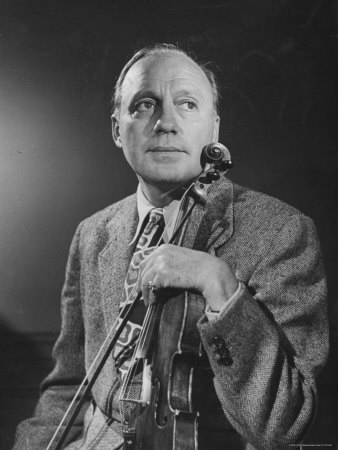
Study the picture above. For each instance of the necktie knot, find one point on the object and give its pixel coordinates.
(156, 214)
(156, 219)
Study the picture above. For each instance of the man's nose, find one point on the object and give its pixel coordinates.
(166, 121)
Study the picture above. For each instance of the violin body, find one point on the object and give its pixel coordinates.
(169, 421)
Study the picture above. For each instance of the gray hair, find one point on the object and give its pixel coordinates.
(161, 49)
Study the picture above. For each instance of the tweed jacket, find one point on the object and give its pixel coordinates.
(275, 330)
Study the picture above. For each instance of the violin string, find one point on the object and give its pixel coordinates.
(170, 221)
(125, 392)
(139, 344)
(125, 310)
(133, 392)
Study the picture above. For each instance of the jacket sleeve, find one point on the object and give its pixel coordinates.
(58, 389)
(275, 339)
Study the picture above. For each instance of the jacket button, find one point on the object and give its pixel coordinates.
(222, 354)
(226, 361)
(218, 342)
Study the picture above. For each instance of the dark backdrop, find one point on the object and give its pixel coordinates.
(59, 59)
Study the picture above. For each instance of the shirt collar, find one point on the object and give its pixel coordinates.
(144, 206)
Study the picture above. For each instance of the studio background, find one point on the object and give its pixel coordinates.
(277, 63)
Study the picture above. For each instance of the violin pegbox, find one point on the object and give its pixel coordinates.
(215, 157)
(215, 160)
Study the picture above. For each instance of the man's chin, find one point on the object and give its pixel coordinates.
(170, 179)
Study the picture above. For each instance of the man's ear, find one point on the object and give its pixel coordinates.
(116, 130)
(215, 136)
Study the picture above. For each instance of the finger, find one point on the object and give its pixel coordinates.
(152, 287)
(147, 286)
(146, 274)
(154, 296)
(145, 292)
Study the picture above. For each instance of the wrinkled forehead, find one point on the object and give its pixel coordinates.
(162, 71)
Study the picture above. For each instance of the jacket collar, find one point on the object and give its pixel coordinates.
(211, 225)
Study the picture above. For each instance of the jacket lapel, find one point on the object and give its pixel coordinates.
(115, 258)
(220, 214)
(211, 225)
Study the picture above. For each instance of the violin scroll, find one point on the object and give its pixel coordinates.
(215, 158)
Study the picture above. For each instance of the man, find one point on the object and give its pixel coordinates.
(254, 259)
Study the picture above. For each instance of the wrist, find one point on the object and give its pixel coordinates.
(214, 314)
(218, 292)
(217, 298)
(217, 282)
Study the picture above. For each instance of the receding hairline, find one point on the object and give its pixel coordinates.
(152, 59)
(162, 50)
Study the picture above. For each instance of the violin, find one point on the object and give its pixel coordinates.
(168, 348)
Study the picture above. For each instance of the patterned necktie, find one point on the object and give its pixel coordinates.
(150, 237)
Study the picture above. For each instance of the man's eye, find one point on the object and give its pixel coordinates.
(188, 105)
(144, 105)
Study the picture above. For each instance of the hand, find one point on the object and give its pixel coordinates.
(169, 266)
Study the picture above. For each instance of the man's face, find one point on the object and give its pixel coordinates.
(166, 117)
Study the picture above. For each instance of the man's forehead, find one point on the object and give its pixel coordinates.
(174, 69)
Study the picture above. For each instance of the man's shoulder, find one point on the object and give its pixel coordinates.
(228, 194)
(115, 210)
(261, 203)
(258, 211)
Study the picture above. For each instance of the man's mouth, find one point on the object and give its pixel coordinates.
(165, 149)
